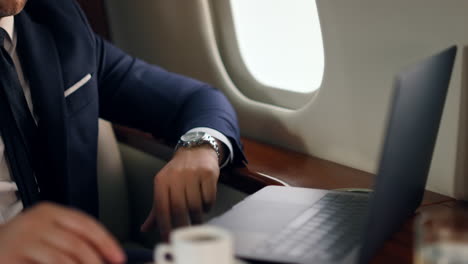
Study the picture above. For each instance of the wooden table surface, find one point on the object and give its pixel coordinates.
(304, 171)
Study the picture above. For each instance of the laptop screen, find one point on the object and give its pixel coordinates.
(413, 124)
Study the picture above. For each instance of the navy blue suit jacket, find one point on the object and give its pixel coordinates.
(57, 48)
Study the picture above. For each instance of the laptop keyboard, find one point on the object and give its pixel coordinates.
(329, 229)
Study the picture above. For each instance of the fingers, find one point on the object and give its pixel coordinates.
(208, 190)
(93, 233)
(162, 209)
(183, 189)
(150, 220)
(194, 201)
(77, 249)
(49, 233)
(176, 203)
(44, 254)
(179, 209)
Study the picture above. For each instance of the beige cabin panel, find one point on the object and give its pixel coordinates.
(366, 43)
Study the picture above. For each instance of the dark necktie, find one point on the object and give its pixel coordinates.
(17, 128)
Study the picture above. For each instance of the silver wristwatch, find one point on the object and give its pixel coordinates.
(195, 139)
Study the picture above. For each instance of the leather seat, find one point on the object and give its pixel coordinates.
(114, 205)
(125, 180)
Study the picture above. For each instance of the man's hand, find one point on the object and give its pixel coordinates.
(183, 189)
(50, 234)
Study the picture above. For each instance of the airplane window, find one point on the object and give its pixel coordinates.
(280, 42)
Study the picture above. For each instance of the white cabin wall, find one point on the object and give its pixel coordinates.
(366, 43)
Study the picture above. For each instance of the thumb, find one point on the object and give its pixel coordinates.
(150, 221)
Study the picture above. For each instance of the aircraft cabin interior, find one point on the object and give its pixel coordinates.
(360, 101)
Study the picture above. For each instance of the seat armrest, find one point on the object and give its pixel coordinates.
(241, 179)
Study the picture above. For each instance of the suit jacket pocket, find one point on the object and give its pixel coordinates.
(80, 97)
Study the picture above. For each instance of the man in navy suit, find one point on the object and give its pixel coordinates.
(56, 79)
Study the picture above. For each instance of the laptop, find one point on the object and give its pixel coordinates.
(299, 225)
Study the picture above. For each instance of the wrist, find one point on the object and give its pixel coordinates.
(202, 153)
(194, 140)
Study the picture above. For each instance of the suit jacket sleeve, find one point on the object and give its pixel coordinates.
(136, 94)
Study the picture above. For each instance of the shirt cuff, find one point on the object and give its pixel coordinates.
(219, 136)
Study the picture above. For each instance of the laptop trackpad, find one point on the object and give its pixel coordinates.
(259, 216)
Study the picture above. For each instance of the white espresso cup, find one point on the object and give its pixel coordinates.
(197, 245)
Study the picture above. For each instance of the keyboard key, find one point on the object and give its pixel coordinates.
(328, 229)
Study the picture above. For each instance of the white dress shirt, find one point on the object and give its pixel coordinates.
(10, 202)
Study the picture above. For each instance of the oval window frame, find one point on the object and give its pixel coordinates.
(238, 71)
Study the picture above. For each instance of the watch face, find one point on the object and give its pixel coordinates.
(192, 136)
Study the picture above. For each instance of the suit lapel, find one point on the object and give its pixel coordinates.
(41, 63)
